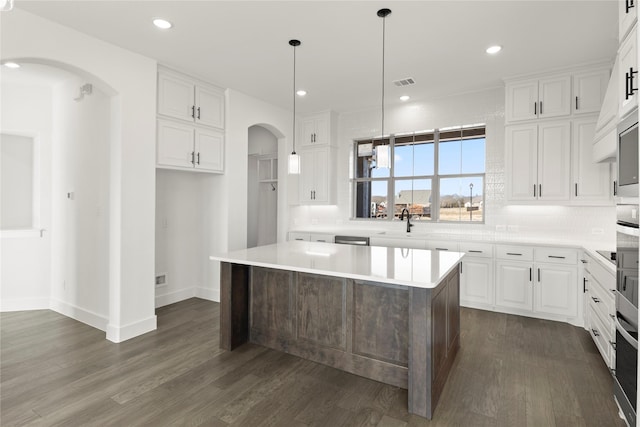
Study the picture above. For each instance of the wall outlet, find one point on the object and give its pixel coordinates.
(597, 231)
(161, 279)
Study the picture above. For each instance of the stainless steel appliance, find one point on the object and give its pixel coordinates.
(352, 240)
(626, 372)
(627, 183)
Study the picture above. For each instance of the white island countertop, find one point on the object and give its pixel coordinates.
(407, 267)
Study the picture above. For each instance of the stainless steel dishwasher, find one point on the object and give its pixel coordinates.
(352, 240)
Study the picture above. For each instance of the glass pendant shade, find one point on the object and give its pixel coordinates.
(294, 164)
(383, 159)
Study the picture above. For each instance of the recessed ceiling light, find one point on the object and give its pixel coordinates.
(11, 65)
(494, 49)
(301, 92)
(162, 23)
(405, 98)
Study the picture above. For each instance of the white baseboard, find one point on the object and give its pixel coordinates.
(208, 294)
(24, 304)
(122, 333)
(176, 296)
(81, 315)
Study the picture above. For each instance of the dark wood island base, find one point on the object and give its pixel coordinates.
(405, 336)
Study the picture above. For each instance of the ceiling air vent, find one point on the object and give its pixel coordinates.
(405, 82)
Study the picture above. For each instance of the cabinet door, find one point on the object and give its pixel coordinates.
(588, 91)
(554, 150)
(209, 107)
(175, 97)
(521, 162)
(513, 285)
(209, 148)
(555, 290)
(626, 17)
(322, 135)
(175, 144)
(628, 61)
(307, 131)
(321, 175)
(554, 97)
(590, 180)
(476, 280)
(521, 100)
(307, 176)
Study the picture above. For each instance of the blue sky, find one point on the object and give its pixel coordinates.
(455, 157)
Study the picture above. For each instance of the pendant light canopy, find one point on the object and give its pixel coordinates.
(383, 154)
(294, 159)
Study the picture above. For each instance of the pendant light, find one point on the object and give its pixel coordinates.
(383, 157)
(294, 159)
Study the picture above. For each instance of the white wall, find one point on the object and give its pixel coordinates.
(130, 80)
(80, 223)
(25, 257)
(556, 222)
(16, 181)
(180, 220)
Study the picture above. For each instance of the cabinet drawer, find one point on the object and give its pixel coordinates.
(319, 237)
(293, 235)
(602, 299)
(442, 245)
(516, 253)
(601, 337)
(556, 255)
(480, 250)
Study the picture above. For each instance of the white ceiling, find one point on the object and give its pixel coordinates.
(244, 44)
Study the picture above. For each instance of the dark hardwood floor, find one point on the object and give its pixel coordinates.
(511, 371)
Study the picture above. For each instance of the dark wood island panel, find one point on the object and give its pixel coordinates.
(400, 335)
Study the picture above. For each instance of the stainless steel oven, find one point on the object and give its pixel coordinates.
(626, 371)
(627, 183)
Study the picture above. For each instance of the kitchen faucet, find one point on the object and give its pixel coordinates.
(409, 225)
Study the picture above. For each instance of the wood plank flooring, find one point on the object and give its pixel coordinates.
(511, 371)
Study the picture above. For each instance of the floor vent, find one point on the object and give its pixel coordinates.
(404, 82)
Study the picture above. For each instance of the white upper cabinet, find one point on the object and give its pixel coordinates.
(589, 89)
(181, 97)
(591, 181)
(185, 147)
(317, 129)
(628, 78)
(317, 179)
(627, 16)
(538, 162)
(538, 98)
(209, 107)
(209, 150)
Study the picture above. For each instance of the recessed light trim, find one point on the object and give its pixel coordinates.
(163, 24)
(301, 92)
(404, 98)
(492, 50)
(11, 65)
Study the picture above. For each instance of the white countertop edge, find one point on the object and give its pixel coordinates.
(601, 260)
(422, 285)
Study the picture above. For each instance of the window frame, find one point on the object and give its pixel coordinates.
(435, 178)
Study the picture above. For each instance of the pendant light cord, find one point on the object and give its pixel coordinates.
(294, 100)
(384, 21)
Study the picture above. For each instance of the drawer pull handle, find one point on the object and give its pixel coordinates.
(475, 252)
(584, 261)
(302, 240)
(556, 257)
(613, 316)
(442, 249)
(596, 300)
(513, 253)
(595, 333)
(613, 291)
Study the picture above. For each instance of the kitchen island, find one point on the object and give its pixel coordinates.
(389, 314)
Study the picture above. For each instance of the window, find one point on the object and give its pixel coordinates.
(16, 182)
(435, 175)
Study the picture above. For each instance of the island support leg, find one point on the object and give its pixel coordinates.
(234, 305)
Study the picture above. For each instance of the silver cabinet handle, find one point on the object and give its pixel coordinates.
(556, 257)
(540, 190)
(442, 249)
(530, 273)
(534, 190)
(576, 103)
(193, 153)
(535, 108)
(475, 252)
(513, 253)
(540, 107)
(596, 300)
(595, 332)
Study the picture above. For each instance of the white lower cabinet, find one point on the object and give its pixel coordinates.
(476, 282)
(547, 290)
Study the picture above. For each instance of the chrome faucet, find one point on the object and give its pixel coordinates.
(409, 225)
